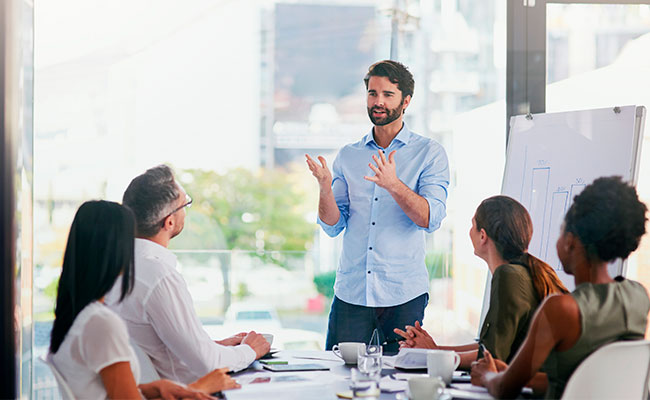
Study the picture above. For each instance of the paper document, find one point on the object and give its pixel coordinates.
(268, 378)
(406, 377)
(468, 394)
(272, 385)
(388, 361)
(468, 391)
(411, 359)
(390, 385)
(297, 391)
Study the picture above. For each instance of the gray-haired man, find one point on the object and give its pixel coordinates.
(159, 312)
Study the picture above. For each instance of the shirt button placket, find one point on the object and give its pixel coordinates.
(374, 205)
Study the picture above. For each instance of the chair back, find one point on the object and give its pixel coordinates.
(148, 371)
(64, 388)
(617, 370)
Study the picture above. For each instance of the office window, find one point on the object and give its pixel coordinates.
(597, 56)
(123, 86)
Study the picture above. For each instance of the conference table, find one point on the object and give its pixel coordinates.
(259, 383)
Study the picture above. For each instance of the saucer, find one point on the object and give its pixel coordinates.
(405, 396)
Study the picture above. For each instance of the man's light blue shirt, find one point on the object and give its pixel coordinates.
(382, 262)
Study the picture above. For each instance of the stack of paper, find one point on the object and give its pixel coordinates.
(411, 359)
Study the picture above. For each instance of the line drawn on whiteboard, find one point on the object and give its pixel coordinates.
(538, 199)
(523, 173)
(576, 188)
(558, 209)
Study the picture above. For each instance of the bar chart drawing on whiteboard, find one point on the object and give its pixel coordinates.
(552, 157)
(523, 172)
(558, 209)
(576, 188)
(537, 205)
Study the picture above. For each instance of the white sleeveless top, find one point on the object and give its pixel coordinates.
(97, 338)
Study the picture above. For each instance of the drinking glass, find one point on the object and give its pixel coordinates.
(369, 360)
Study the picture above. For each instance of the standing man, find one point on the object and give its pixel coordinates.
(385, 190)
(159, 312)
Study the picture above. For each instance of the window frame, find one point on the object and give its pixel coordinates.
(526, 53)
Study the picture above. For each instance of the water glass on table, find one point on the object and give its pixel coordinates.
(369, 360)
(365, 380)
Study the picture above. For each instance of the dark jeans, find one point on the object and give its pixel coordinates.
(352, 323)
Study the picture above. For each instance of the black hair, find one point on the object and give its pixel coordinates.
(608, 218)
(151, 196)
(396, 72)
(510, 227)
(99, 249)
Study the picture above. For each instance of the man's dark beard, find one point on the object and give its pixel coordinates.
(391, 114)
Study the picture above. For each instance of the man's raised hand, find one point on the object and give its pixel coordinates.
(385, 175)
(320, 171)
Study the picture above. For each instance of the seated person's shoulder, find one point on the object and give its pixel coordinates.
(638, 294)
(637, 286)
(511, 273)
(510, 269)
(513, 284)
(150, 273)
(560, 306)
(104, 320)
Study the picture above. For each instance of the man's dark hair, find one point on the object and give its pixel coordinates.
(608, 218)
(151, 196)
(99, 249)
(396, 72)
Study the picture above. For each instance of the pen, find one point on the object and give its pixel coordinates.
(481, 351)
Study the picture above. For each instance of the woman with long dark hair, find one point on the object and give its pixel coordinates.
(90, 344)
(605, 222)
(500, 233)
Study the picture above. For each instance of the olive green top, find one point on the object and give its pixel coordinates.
(513, 301)
(608, 312)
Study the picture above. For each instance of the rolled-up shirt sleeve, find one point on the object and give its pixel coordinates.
(433, 184)
(171, 313)
(340, 190)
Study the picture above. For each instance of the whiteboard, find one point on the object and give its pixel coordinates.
(552, 157)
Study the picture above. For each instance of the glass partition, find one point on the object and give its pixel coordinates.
(597, 56)
(234, 118)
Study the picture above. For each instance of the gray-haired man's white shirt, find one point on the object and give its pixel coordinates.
(161, 319)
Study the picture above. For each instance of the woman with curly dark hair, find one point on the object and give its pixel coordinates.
(605, 222)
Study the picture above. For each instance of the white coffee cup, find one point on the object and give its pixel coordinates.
(442, 363)
(268, 337)
(347, 351)
(425, 387)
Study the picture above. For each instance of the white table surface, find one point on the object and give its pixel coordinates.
(316, 384)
